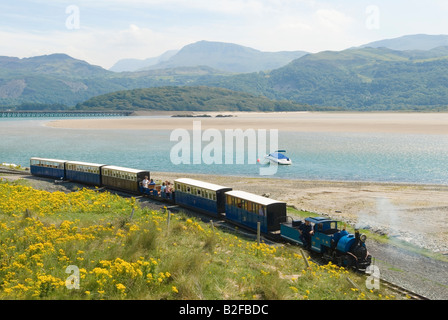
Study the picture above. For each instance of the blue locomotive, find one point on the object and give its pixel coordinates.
(318, 234)
(323, 236)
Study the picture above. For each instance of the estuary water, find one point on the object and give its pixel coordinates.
(376, 157)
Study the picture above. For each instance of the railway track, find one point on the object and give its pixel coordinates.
(402, 291)
(13, 171)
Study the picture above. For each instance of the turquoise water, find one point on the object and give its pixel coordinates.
(376, 157)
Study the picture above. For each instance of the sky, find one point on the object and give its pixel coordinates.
(102, 32)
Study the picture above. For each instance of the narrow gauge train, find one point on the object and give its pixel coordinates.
(237, 207)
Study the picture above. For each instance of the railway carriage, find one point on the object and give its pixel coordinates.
(248, 209)
(50, 168)
(206, 197)
(120, 178)
(84, 172)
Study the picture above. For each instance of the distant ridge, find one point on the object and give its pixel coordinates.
(131, 65)
(227, 57)
(411, 42)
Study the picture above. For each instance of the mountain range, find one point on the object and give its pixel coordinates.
(227, 57)
(406, 73)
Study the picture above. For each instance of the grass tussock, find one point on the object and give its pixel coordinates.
(45, 236)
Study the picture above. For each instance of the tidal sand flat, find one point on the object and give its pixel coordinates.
(408, 123)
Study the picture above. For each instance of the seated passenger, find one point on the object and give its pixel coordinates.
(163, 188)
(145, 182)
(168, 187)
(152, 183)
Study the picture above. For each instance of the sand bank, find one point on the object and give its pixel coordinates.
(408, 123)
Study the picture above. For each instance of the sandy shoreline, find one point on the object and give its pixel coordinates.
(407, 123)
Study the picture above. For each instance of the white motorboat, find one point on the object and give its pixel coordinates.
(279, 157)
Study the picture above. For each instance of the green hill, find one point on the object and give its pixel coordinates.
(357, 79)
(228, 57)
(188, 98)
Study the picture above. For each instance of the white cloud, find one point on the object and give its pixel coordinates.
(331, 19)
(98, 47)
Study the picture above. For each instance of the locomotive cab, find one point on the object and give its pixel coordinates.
(348, 250)
(323, 232)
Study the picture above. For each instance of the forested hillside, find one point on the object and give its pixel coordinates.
(189, 98)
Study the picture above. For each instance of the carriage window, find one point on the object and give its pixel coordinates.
(249, 206)
(262, 211)
(238, 203)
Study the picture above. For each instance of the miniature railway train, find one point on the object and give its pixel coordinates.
(247, 210)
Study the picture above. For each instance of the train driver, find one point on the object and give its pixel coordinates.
(306, 230)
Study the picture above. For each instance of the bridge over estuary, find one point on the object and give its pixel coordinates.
(61, 114)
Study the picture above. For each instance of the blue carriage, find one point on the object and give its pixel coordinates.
(84, 172)
(205, 197)
(247, 209)
(49, 168)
